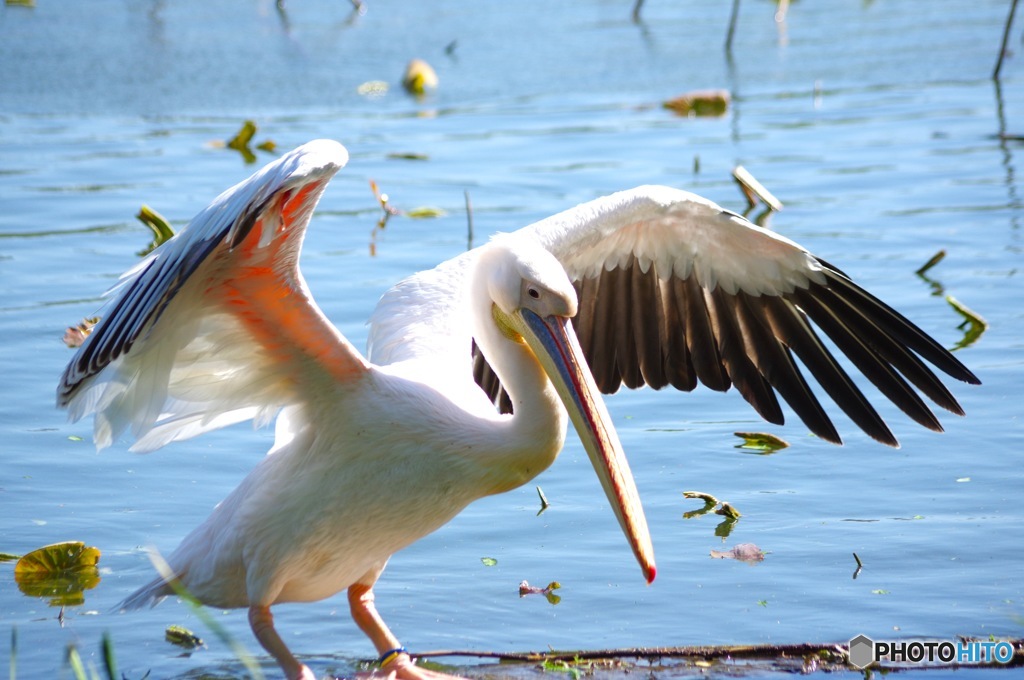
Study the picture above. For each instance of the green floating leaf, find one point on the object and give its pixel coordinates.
(709, 503)
(489, 561)
(158, 224)
(879, 591)
(973, 325)
(183, 637)
(761, 442)
(242, 142)
(243, 137)
(60, 572)
(728, 511)
(8, 557)
(724, 528)
(706, 497)
(425, 212)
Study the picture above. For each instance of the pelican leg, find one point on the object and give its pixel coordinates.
(262, 623)
(364, 613)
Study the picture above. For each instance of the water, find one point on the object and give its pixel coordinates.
(875, 123)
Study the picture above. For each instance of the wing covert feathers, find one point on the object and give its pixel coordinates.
(217, 325)
(674, 290)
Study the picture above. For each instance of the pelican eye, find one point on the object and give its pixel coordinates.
(534, 293)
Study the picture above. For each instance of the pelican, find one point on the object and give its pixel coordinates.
(472, 373)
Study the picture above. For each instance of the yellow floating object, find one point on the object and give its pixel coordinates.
(61, 572)
(419, 77)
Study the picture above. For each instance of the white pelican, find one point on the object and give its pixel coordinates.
(370, 454)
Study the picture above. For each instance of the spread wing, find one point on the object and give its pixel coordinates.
(675, 290)
(217, 325)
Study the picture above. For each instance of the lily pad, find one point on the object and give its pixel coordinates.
(61, 573)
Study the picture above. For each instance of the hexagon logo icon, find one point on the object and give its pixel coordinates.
(862, 651)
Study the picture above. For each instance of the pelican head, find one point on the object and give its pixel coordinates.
(532, 302)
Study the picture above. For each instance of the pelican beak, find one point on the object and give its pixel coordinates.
(554, 342)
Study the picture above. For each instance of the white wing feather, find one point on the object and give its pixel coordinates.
(217, 325)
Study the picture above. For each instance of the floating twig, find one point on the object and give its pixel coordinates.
(932, 261)
(860, 565)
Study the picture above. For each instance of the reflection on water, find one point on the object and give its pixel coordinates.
(874, 124)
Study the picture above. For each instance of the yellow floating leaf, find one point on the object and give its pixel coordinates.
(729, 511)
(60, 572)
(158, 224)
(700, 103)
(243, 136)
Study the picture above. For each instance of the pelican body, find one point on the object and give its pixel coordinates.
(474, 370)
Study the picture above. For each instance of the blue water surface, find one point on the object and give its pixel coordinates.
(876, 124)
